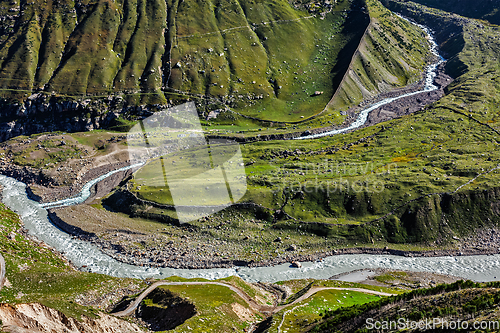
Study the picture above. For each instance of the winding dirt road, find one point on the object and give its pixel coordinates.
(267, 309)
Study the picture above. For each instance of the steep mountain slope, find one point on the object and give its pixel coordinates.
(412, 179)
(246, 51)
(478, 9)
(99, 47)
(44, 293)
(252, 63)
(81, 48)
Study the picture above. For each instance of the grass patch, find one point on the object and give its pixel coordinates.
(38, 275)
(215, 308)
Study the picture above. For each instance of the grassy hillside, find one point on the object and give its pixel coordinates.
(36, 274)
(409, 180)
(311, 310)
(391, 54)
(460, 301)
(213, 48)
(266, 51)
(258, 61)
(403, 164)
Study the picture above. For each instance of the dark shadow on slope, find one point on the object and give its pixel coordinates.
(264, 326)
(68, 228)
(163, 310)
(477, 9)
(355, 26)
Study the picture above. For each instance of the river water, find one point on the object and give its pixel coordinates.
(430, 75)
(80, 253)
(85, 191)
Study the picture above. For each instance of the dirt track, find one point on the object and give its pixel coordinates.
(252, 303)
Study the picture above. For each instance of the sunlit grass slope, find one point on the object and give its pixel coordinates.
(392, 54)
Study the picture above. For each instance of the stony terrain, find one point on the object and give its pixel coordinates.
(56, 166)
(157, 245)
(463, 301)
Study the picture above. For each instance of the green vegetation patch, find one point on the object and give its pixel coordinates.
(217, 308)
(455, 301)
(36, 274)
(299, 316)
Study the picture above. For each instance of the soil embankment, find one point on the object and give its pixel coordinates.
(37, 318)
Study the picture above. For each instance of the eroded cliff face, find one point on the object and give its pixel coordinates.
(37, 318)
(41, 113)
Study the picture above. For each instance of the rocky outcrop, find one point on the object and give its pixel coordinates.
(41, 185)
(409, 104)
(43, 113)
(37, 318)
